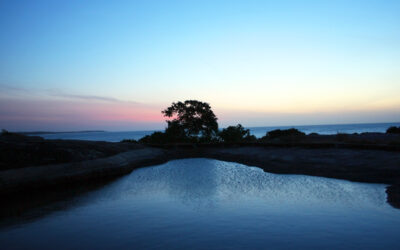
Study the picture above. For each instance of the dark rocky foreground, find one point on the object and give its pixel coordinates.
(19, 151)
(101, 161)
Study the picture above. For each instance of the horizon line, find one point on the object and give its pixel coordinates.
(248, 127)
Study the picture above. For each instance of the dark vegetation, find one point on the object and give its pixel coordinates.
(278, 133)
(129, 141)
(5, 132)
(191, 122)
(393, 130)
(194, 122)
(236, 134)
(192, 118)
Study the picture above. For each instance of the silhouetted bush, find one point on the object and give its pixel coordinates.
(393, 130)
(129, 141)
(154, 138)
(5, 132)
(283, 133)
(236, 134)
(8, 134)
(168, 137)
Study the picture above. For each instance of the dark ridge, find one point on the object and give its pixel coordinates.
(62, 132)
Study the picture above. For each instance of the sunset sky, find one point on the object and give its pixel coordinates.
(114, 65)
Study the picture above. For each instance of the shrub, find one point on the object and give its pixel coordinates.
(169, 137)
(129, 141)
(393, 130)
(154, 138)
(236, 134)
(283, 133)
(5, 132)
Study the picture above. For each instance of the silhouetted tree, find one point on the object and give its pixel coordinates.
(191, 119)
(236, 134)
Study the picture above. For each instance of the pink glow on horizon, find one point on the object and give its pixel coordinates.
(21, 114)
(60, 114)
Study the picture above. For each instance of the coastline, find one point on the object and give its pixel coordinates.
(372, 165)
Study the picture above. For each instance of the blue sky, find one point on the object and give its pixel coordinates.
(118, 63)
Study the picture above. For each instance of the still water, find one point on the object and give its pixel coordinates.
(210, 204)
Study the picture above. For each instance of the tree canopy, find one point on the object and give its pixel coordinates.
(192, 118)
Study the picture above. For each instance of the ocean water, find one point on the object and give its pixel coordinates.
(210, 204)
(330, 129)
(257, 131)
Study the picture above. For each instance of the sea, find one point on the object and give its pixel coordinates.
(329, 129)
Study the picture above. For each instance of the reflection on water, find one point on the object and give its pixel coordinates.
(200, 182)
(201, 203)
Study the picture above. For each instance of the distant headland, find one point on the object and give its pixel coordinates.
(58, 132)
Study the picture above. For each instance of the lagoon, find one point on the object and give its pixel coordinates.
(210, 204)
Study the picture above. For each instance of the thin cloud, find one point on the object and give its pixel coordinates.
(62, 94)
(9, 91)
(91, 98)
(88, 97)
(12, 89)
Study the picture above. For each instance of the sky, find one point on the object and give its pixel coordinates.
(114, 65)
